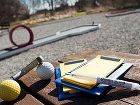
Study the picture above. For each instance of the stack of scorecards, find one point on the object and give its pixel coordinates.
(101, 66)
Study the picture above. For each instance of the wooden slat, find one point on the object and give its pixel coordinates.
(24, 99)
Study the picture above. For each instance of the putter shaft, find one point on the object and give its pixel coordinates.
(29, 67)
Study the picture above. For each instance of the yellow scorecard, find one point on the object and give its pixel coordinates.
(101, 66)
(65, 68)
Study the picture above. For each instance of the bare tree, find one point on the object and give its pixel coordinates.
(35, 4)
(12, 10)
(51, 5)
(63, 4)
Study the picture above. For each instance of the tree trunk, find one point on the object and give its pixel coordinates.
(52, 7)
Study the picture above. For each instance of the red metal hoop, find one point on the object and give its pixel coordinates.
(24, 44)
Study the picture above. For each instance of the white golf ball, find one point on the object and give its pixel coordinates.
(45, 71)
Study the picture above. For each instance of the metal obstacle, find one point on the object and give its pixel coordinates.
(122, 13)
(50, 39)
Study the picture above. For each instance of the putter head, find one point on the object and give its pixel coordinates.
(39, 60)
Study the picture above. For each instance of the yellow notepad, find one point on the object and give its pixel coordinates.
(65, 69)
(99, 67)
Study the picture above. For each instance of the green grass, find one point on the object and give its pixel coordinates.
(79, 14)
(29, 22)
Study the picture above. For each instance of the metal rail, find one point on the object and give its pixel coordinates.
(123, 13)
(53, 38)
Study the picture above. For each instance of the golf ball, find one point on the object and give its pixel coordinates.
(9, 90)
(45, 71)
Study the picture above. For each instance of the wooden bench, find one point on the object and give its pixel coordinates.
(119, 96)
(44, 91)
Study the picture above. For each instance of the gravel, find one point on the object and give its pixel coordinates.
(120, 33)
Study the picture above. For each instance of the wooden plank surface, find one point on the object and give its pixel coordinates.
(47, 91)
(23, 99)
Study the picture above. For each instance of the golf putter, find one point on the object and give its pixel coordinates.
(39, 60)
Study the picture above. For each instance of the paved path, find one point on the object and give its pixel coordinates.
(117, 33)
